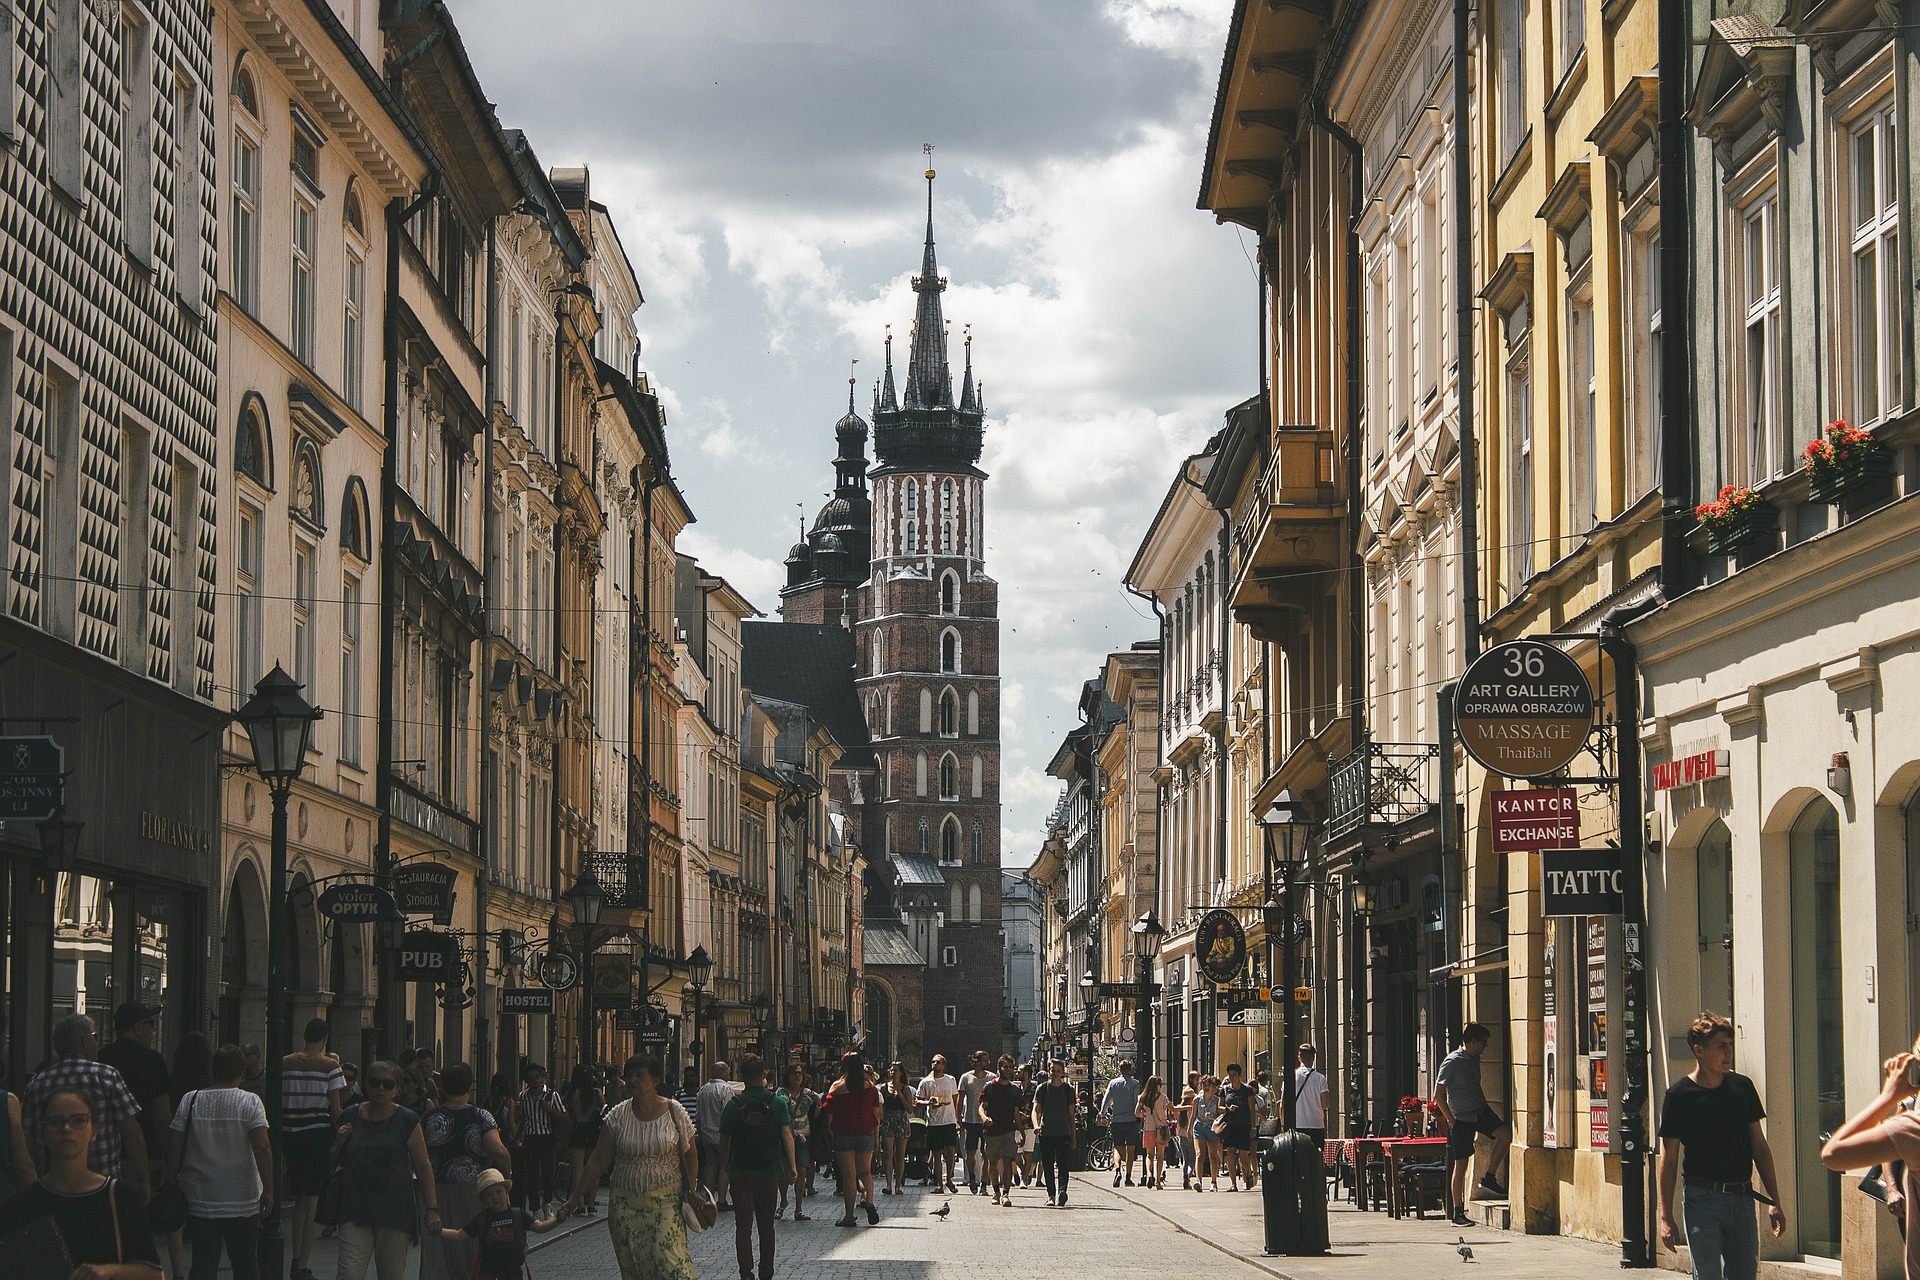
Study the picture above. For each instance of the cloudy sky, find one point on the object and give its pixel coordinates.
(762, 159)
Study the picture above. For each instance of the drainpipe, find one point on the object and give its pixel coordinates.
(1463, 277)
(387, 996)
(488, 831)
(554, 829)
(1635, 1244)
(1677, 424)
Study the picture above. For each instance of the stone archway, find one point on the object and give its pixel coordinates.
(243, 954)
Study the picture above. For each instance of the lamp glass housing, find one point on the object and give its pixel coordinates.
(279, 723)
(1147, 933)
(700, 966)
(586, 898)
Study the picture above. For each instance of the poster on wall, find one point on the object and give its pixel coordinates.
(1599, 1110)
(1550, 1043)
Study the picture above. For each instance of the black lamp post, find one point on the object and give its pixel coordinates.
(1147, 933)
(1285, 825)
(586, 897)
(699, 971)
(60, 841)
(1363, 895)
(279, 725)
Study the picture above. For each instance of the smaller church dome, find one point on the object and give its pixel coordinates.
(830, 545)
(838, 513)
(800, 553)
(849, 423)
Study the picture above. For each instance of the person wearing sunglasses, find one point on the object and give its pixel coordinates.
(381, 1152)
(101, 1220)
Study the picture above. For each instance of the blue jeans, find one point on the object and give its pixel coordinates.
(239, 1236)
(1723, 1238)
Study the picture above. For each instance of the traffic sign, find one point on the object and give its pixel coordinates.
(1524, 709)
(30, 778)
(1057, 1052)
(1078, 1072)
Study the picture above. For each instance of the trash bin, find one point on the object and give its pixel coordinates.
(1293, 1192)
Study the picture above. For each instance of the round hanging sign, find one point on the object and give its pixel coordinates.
(1221, 944)
(559, 971)
(1524, 709)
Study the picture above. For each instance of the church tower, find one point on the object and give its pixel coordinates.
(927, 642)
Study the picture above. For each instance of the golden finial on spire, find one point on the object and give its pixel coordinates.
(928, 148)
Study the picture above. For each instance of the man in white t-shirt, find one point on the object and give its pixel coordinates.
(972, 1084)
(936, 1093)
(1310, 1097)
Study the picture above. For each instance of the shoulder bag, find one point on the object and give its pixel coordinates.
(698, 1209)
(326, 1209)
(168, 1209)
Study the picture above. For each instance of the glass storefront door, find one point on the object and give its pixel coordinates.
(1819, 1076)
(1713, 887)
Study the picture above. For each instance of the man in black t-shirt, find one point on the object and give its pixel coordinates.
(132, 1054)
(1711, 1139)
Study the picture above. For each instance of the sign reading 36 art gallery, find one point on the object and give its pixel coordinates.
(1524, 709)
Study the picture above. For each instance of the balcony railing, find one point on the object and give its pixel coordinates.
(1387, 783)
(622, 877)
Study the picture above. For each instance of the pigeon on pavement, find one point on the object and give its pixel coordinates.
(942, 1211)
(1465, 1250)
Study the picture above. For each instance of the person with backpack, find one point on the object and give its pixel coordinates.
(756, 1149)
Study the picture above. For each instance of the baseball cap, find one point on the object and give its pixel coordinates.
(490, 1178)
(130, 1015)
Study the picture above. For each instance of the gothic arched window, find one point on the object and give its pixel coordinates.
(946, 497)
(949, 715)
(913, 495)
(950, 651)
(949, 778)
(949, 841)
(913, 537)
(250, 457)
(950, 592)
(946, 537)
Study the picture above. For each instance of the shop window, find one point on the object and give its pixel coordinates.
(1713, 891)
(1819, 1062)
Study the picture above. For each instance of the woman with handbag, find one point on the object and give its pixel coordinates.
(381, 1155)
(222, 1160)
(100, 1224)
(648, 1142)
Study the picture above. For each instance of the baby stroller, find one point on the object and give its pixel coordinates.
(917, 1169)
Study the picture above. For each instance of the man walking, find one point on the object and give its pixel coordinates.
(540, 1115)
(971, 1122)
(145, 1074)
(1117, 1108)
(1464, 1107)
(711, 1105)
(1310, 1097)
(311, 1089)
(1710, 1134)
(936, 1093)
(118, 1150)
(1056, 1135)
(756, 1149)
(1238, 1103)
(999, 1112)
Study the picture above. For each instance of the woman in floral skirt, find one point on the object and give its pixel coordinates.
(648, 1141)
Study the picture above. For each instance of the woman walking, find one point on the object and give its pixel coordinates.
(1182, 1135)
(853, 1109)
(1206, 1113)
(223, 1162)
(1154, 1111)
(801, 1103)
(896, 1109)
(382, 1153)
(462, 1142)
(648, 1143)
(102, 1222)
(585, 1105)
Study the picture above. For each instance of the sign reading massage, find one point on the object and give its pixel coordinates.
(1524, 709)
(1582, 882)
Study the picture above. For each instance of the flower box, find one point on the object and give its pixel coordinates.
(1843, 460)
(1738, 518)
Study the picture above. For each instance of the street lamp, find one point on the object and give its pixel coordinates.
(699, 971)
(279, 725)
(60, 840)
(1364, 896)
(1285, 825)
(1147, 933)
(586, 897)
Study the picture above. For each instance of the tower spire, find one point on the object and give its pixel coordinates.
(929, 384)
(967, 404)
(884, 400)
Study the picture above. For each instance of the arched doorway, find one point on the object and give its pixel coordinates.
(1819, 1060)
(1713, 912)
(243, 957)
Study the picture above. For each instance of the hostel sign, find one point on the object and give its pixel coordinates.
(1524, 709)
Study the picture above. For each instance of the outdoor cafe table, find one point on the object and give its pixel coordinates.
(1393, 1152)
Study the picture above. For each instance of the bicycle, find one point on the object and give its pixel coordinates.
(1100, 1152)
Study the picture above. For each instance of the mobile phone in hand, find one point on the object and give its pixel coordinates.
(1913, 1074)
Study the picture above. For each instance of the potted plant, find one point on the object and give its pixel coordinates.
(1842, 460)
(1738, 518)
(1412, 1114)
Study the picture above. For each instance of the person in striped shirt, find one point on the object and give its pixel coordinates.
(311, 1088)
(541, 1113)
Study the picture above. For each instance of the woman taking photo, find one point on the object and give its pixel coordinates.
(1154, 1111)
(103, 1223)
(381, 1152)
(853, 1109)
(896, 1110)
(585, 1105)
(648, 1142)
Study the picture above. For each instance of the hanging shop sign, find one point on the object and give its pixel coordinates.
(1221, 944)
(426, 889)
(613, 981)
(1582, 882)
(30, 772)
(526, 1000)
(1527, 820)
(1128, 990)
(1240, 1007)
(1702, 766)
(426, 957)
(558, 971)
(358, 904)
(1524, 709)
